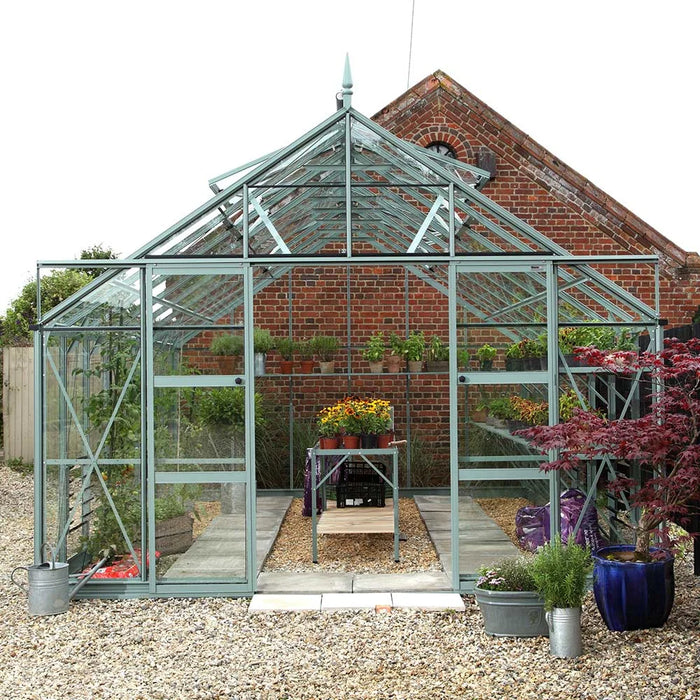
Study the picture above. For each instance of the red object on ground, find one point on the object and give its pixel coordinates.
(123, 567)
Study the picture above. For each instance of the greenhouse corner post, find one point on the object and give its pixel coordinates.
(250, 515)
(553, 387)
(454, 427)
(40, 407)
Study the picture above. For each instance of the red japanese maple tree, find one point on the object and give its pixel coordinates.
(665, 442)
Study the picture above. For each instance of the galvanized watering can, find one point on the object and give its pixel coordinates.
(48, 590)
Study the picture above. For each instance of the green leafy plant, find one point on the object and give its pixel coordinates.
(502, 407)
(178, 500)
(414, 346)
(226, 406)
(324, 347)
(463, 358)
(263, 341)
(374, 347)
(396, 345)
(437, 350)
(511, 574)
(227, 345)
(560, 571)
(286, 347)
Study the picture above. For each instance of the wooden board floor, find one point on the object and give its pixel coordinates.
(348, 521)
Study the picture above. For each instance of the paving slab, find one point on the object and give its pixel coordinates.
(354, 601)
(419, 581)
(292, 582)
(261, 602)
(428, 601)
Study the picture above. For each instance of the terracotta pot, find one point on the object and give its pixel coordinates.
(384, 440)
(394, 364)
(286, 367)
(306, 366)
(329, 443)
(228, 363)
(351, 442)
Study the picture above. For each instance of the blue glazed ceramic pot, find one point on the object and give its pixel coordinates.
(633, 595)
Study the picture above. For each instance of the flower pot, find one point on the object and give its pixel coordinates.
(376, 367)
(438, 366)
(633, 595)
(394, 364)
(306, 366)
(368, 441)
(351, 442)
(512, 613)
(329, 443)
(327, 367)
(286, 367)
(564, 632)
(415, 366)
(384, 440)
(485, 365)
(227, 363)
(259, 364)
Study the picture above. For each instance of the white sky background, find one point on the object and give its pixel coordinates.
(115, 115)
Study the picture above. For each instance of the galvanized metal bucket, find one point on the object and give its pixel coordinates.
(564, 632)
(48, 590)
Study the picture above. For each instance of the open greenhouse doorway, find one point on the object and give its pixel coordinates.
(201, 415)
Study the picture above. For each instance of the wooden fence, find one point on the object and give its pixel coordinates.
(18, 403)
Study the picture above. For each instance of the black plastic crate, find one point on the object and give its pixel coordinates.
(361, 485)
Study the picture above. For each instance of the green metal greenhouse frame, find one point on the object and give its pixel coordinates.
(348, 193)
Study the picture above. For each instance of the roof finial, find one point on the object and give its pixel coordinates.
(347, 83)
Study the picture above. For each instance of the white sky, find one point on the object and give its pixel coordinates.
(115, 115)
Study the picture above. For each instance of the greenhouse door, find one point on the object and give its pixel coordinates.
(200, 425)
(494, 471)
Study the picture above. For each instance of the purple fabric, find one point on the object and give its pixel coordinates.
(306, 511)
(532, 523)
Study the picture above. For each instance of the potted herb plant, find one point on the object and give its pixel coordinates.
(414, 350)
(463, 359)
(485, 354)
(395, 360)
(263, 342)
(286, 347)
(559, 572)
(374, 352)
(508, 599)
(634, 584)
(438, 355)
(329, 426)
(306, 353)
(324, 348)
(228, 348)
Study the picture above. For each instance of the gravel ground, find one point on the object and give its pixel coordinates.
(211, 648)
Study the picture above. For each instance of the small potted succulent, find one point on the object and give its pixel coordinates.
(374, 352)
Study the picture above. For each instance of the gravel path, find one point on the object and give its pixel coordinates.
(212, 649)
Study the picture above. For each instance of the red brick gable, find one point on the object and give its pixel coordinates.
(439, 109)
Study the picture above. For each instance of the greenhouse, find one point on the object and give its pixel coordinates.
(166, 391)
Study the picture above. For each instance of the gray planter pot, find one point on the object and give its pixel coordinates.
(512, 613)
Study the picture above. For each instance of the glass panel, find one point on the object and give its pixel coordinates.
(116, 301)
(200, 532)
(218, 231)
(83, 522)
(199, 429)
(93, 395)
